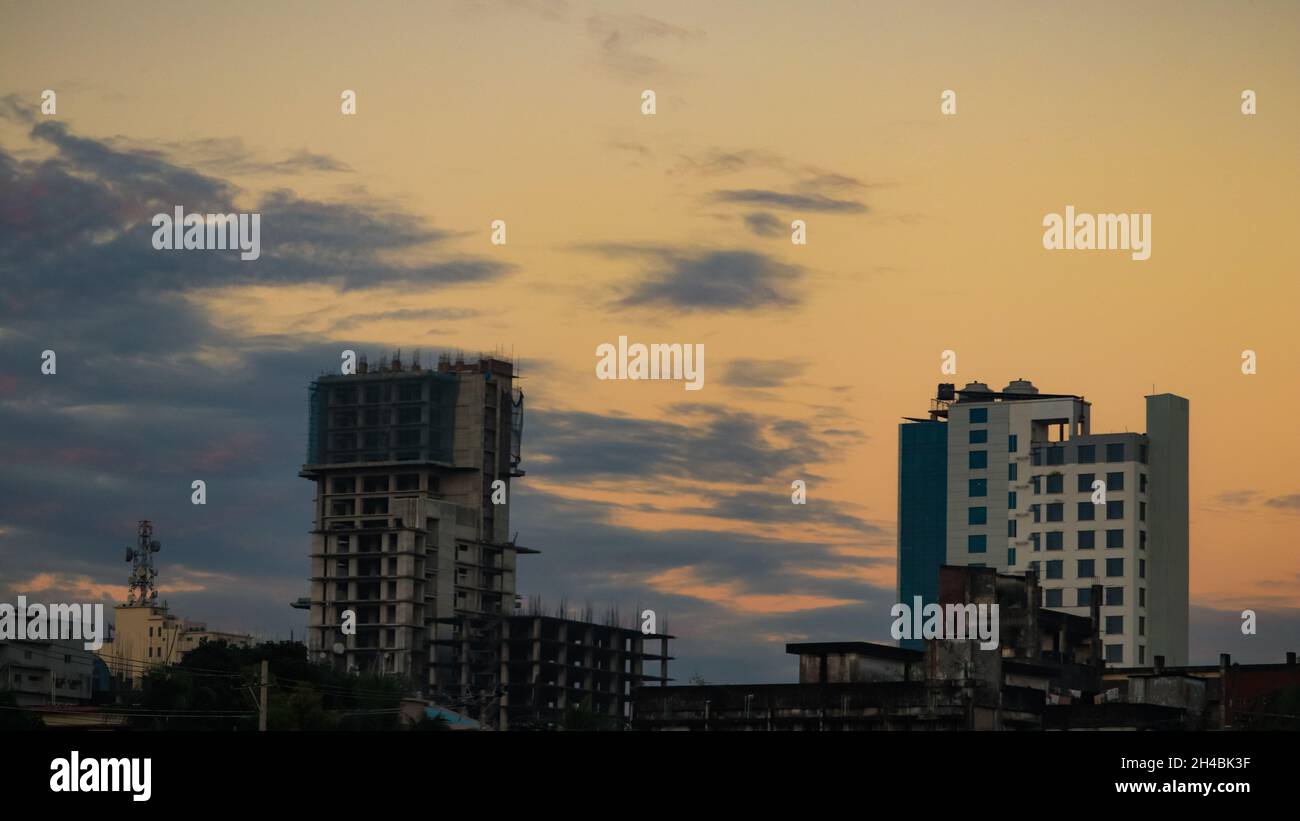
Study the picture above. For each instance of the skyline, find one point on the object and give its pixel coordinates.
(924, 235)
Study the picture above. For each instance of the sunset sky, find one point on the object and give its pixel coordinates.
(924, 234)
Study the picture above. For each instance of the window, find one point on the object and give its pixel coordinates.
(1083, 597)
(1142, 568)
(1011, 500)
(1013, 443)
(1114, 625)
(1056, 512)
(1142, 482)
(409, 393)
(1085, 482)
(1115, 653)
(1115, 509)
(977, 543)
(1142, 597)
(1142, 454)
(979, 436)
(1053, 597)
(1114, 538)
(977, 515)
(1142, 511)
(1011, 557)
(1087, 539)
(1033, 540)
(1115, 596)
(1055, 483)
(1056, 456)
(408, 481)
(1034, 509)
(1086, 569)
(1037, 482)
(1087, 511)
(1013, 472)
(1142, 539)
(1115, 452)
(1011, 527)
(1114, 567)
(1087, 455)
(1055, 540)
(344, 485)
(1035, 456)
(979, 416)
(1142, 625)
(1055, 569)
(979, 459)
(1114, 480)
(978, 487)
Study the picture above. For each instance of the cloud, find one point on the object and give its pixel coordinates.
(1236, 498)
(703, 443)
(717, 162)
(75, 238)
(706, 280)
(779, 199)
(623, 38)
(764, 224)
(761, 373)
(1287, 503)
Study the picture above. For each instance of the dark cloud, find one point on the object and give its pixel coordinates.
(1236, 498)
(1289, 503)
(1214, 631)
(76, 239)
(780, 199)
(761, 373)
(707, 444)
(590, 559)
(764, 224)
(707, 280)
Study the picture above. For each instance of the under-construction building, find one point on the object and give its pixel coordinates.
(412, 469)
(553, 670)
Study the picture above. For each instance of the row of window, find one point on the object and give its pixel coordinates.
(1056, 482)
(1115, 654)
(1087, 568)
(1112, 597)
(1084, 540)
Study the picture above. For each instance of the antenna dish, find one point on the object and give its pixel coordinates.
(129, 553)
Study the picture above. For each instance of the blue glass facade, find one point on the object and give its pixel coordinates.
(922, 511)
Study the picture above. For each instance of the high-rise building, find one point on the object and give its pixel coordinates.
(412, 530)
(1029, 484)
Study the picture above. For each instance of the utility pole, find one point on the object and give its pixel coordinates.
(261, 710)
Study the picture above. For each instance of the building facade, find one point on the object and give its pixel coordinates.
(1023, 471)
(412, 523)
(148, 635)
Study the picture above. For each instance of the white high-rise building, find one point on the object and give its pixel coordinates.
(1022, 494)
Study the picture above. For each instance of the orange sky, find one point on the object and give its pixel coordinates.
(530, 112)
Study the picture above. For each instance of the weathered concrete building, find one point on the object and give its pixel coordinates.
(552, 670)
(1043, 657)
(412, 528)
